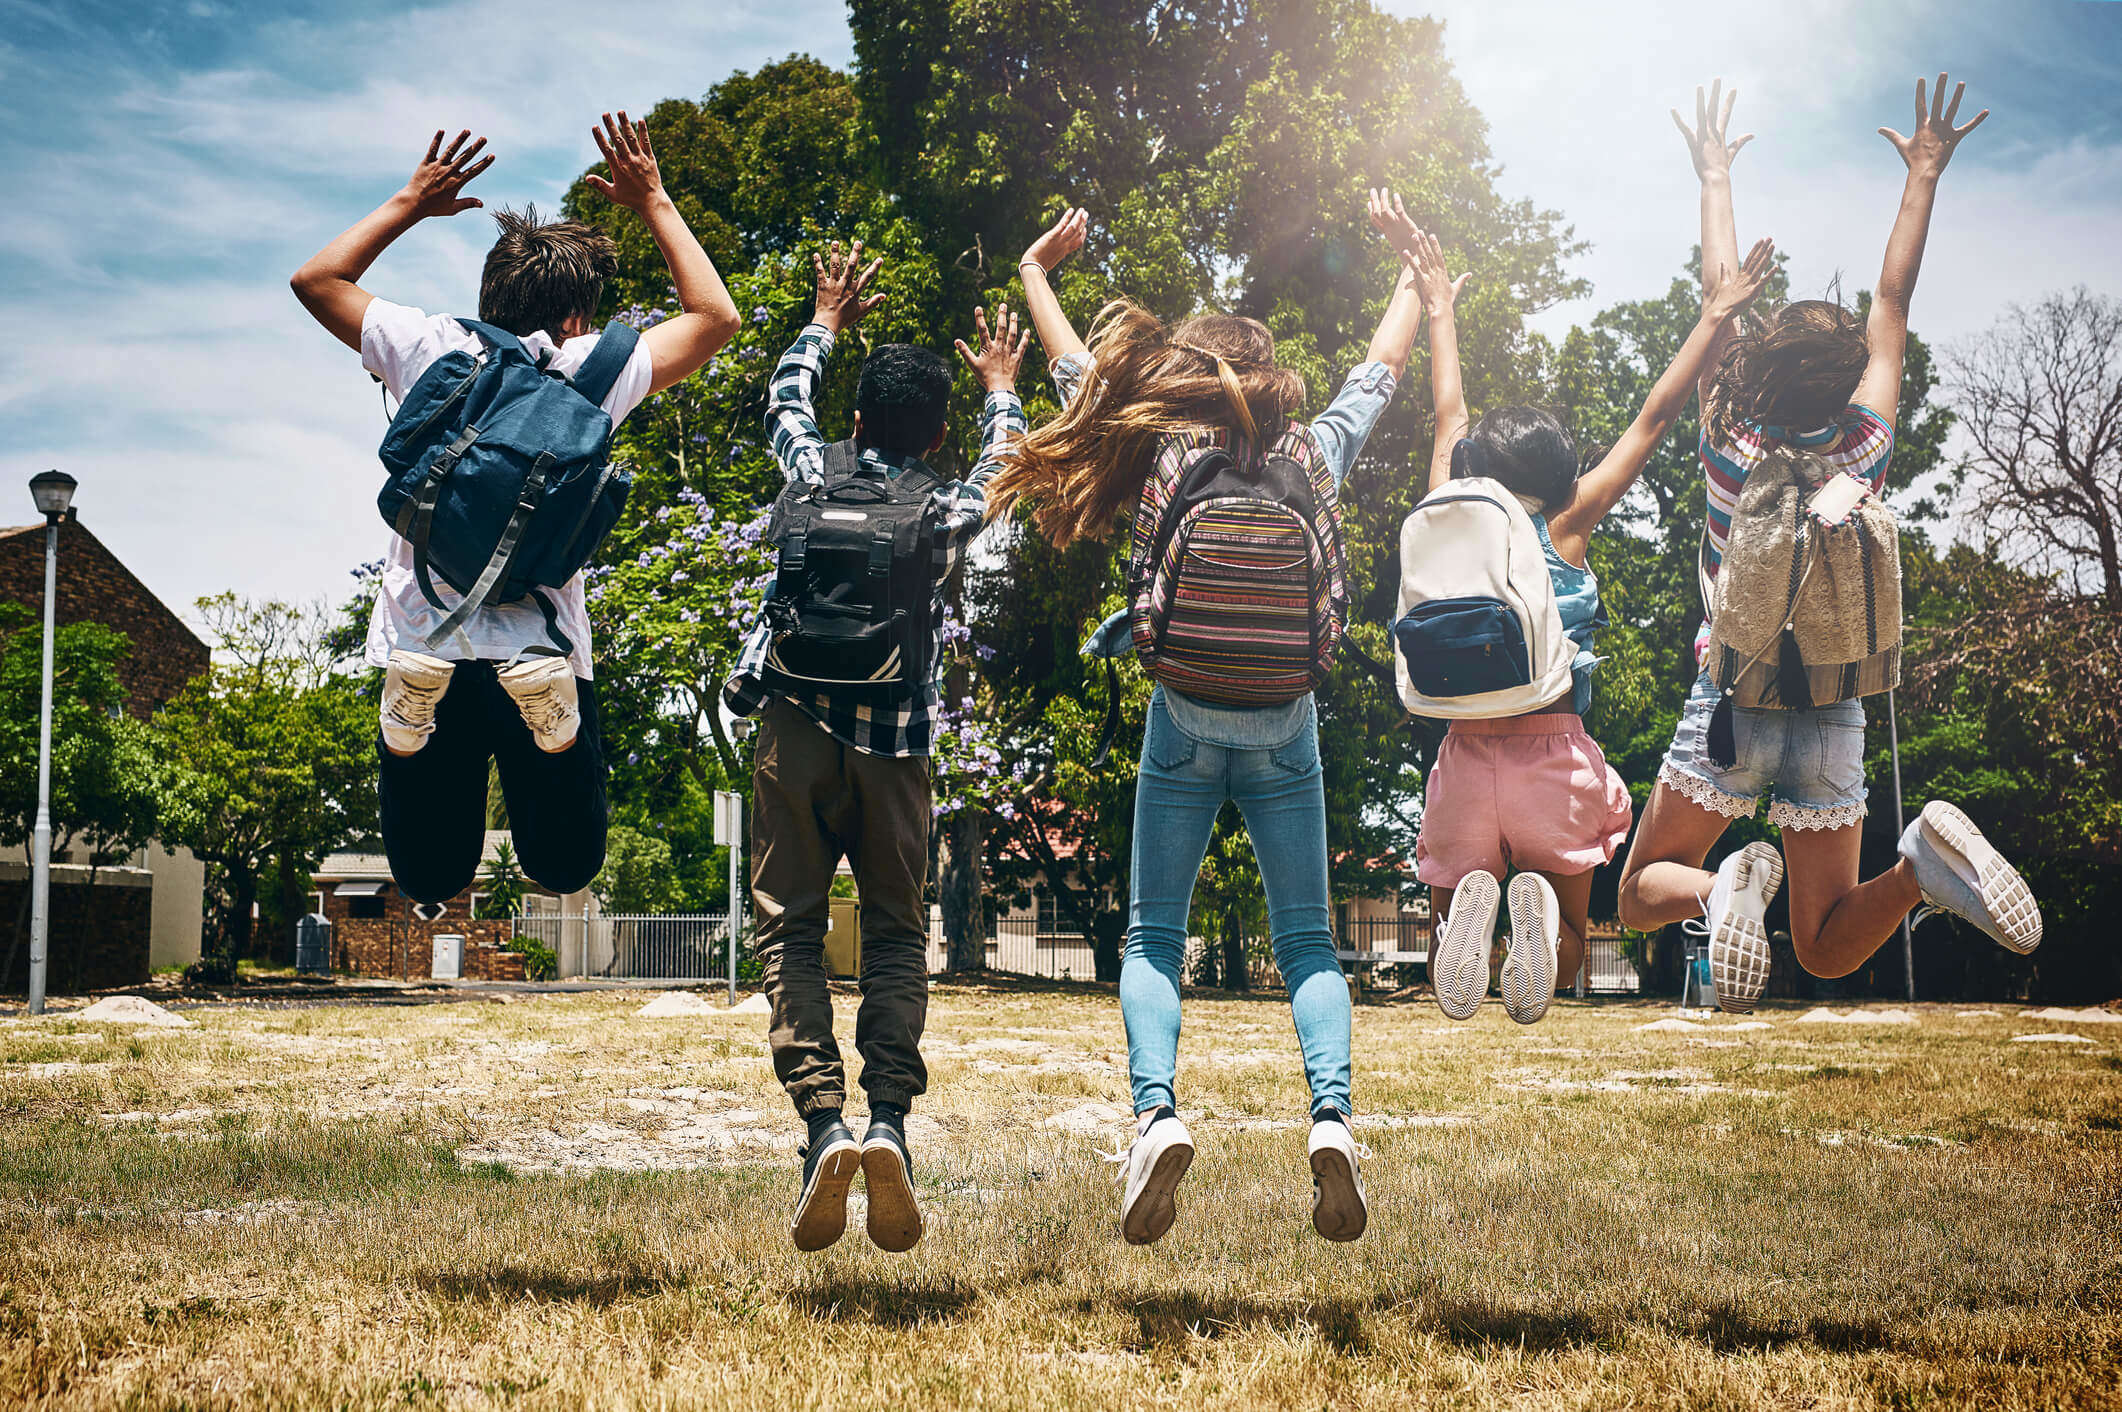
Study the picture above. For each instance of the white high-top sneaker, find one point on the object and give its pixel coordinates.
(1339, 1211)
(544, 691)
(1151, 1167)
(413, 684)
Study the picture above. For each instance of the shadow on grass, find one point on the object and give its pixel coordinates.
(1724, 1327)
(888, 1302)
(528, 1284)
(1174, 1317)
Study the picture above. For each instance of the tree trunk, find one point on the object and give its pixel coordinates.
(1236, 975)
(242, 897)
(958, 890)
(1206, 968)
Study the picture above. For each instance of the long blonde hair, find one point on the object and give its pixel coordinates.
(1082, 469)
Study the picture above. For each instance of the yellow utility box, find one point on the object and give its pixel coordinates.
(843, 938)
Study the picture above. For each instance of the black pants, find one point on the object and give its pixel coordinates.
(434, 802)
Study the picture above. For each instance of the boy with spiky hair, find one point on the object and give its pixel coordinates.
(459, 688)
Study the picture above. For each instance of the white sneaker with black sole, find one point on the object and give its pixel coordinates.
(1339, 1211)
(413, 685)
(1151, 1167)
(1736, 923)
(1458, 963)
(544, 691)
(1528, 980)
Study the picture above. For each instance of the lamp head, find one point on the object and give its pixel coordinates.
(53, 491)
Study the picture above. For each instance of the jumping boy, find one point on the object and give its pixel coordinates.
(840, 770)
(451, 706)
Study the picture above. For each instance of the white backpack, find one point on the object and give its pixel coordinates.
(1476, 633)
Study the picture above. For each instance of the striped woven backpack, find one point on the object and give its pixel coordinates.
(1237, 587)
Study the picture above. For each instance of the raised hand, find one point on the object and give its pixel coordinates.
(442, 174)
(635, 180)
(1390, 219)
(1059, 241)
(1930, 146)
(1734, 291)
(841, 281)
(1439, 291)
(1706, 146)
(1001, 349)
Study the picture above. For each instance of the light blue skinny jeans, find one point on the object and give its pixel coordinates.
(1268, 761)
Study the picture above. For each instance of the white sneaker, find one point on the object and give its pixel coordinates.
(1736, 923)
(1458, 963)
(1529, 961)
(544, 690)
(1339, 1211)
(413, 684)
(1153, 1164)
(1962, 874)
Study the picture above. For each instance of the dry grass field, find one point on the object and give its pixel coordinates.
(557, 1202)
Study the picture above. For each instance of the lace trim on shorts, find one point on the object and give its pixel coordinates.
(1786, 815)
(1701, 791)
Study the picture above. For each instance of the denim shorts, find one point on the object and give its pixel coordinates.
(1810, 762)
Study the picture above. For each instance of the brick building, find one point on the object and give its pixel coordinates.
(377, 932)
(147, 914)
(95, 588)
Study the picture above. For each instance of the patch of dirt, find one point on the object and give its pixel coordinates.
(2088, 1015)
(1821, 1015)
(2050, 1039)
(131, 1010)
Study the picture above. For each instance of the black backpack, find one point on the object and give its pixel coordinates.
(852, 609)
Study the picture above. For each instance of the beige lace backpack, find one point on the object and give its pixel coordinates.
(1802, 613)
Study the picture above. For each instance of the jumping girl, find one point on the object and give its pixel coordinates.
(1211, 379)
(1533, 791)
(1809, 379)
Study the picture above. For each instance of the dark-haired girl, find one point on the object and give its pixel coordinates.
(1532, 793)
(1137, 382)
(1809, 376)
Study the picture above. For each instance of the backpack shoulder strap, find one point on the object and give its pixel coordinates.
(599, 371)
(839, 459)
(499, 339)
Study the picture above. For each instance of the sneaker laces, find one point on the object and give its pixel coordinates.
(543, 710)
(423, 696)
(1698, 926)
(1119, 1157)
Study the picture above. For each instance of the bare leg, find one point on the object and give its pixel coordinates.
(1836, 922)
(1665, 880)
(1440, 906)
(1573, 891)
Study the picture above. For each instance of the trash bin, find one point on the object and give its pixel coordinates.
(449, 958)
(843, 938)
(313, 945)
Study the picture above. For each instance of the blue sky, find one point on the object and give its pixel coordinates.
(174, 160)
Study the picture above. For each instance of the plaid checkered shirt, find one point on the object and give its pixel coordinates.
(960, 507)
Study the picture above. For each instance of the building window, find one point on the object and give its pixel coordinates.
(365, 908)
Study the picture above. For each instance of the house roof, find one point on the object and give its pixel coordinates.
(374, 867)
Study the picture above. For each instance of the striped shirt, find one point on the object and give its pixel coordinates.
(960, 507)
(1858, 443)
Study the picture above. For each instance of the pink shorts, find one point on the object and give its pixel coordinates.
(1530, 793)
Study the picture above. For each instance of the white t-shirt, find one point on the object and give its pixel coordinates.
(398, 344)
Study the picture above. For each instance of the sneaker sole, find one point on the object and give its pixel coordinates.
(1338, 1209)
(1738, 949)
(1528, 981)
(1459, 971)
(821, 1216)
(1153, 1210)
(894, 1216)
(2004, 893)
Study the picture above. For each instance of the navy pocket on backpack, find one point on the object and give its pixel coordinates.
(1463, 647)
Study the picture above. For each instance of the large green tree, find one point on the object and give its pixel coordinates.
(1223, 151)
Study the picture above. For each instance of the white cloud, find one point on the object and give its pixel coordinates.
(222, 440)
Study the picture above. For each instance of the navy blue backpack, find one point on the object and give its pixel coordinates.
(500, 474)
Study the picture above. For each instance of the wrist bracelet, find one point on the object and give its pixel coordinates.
(1031, 265)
